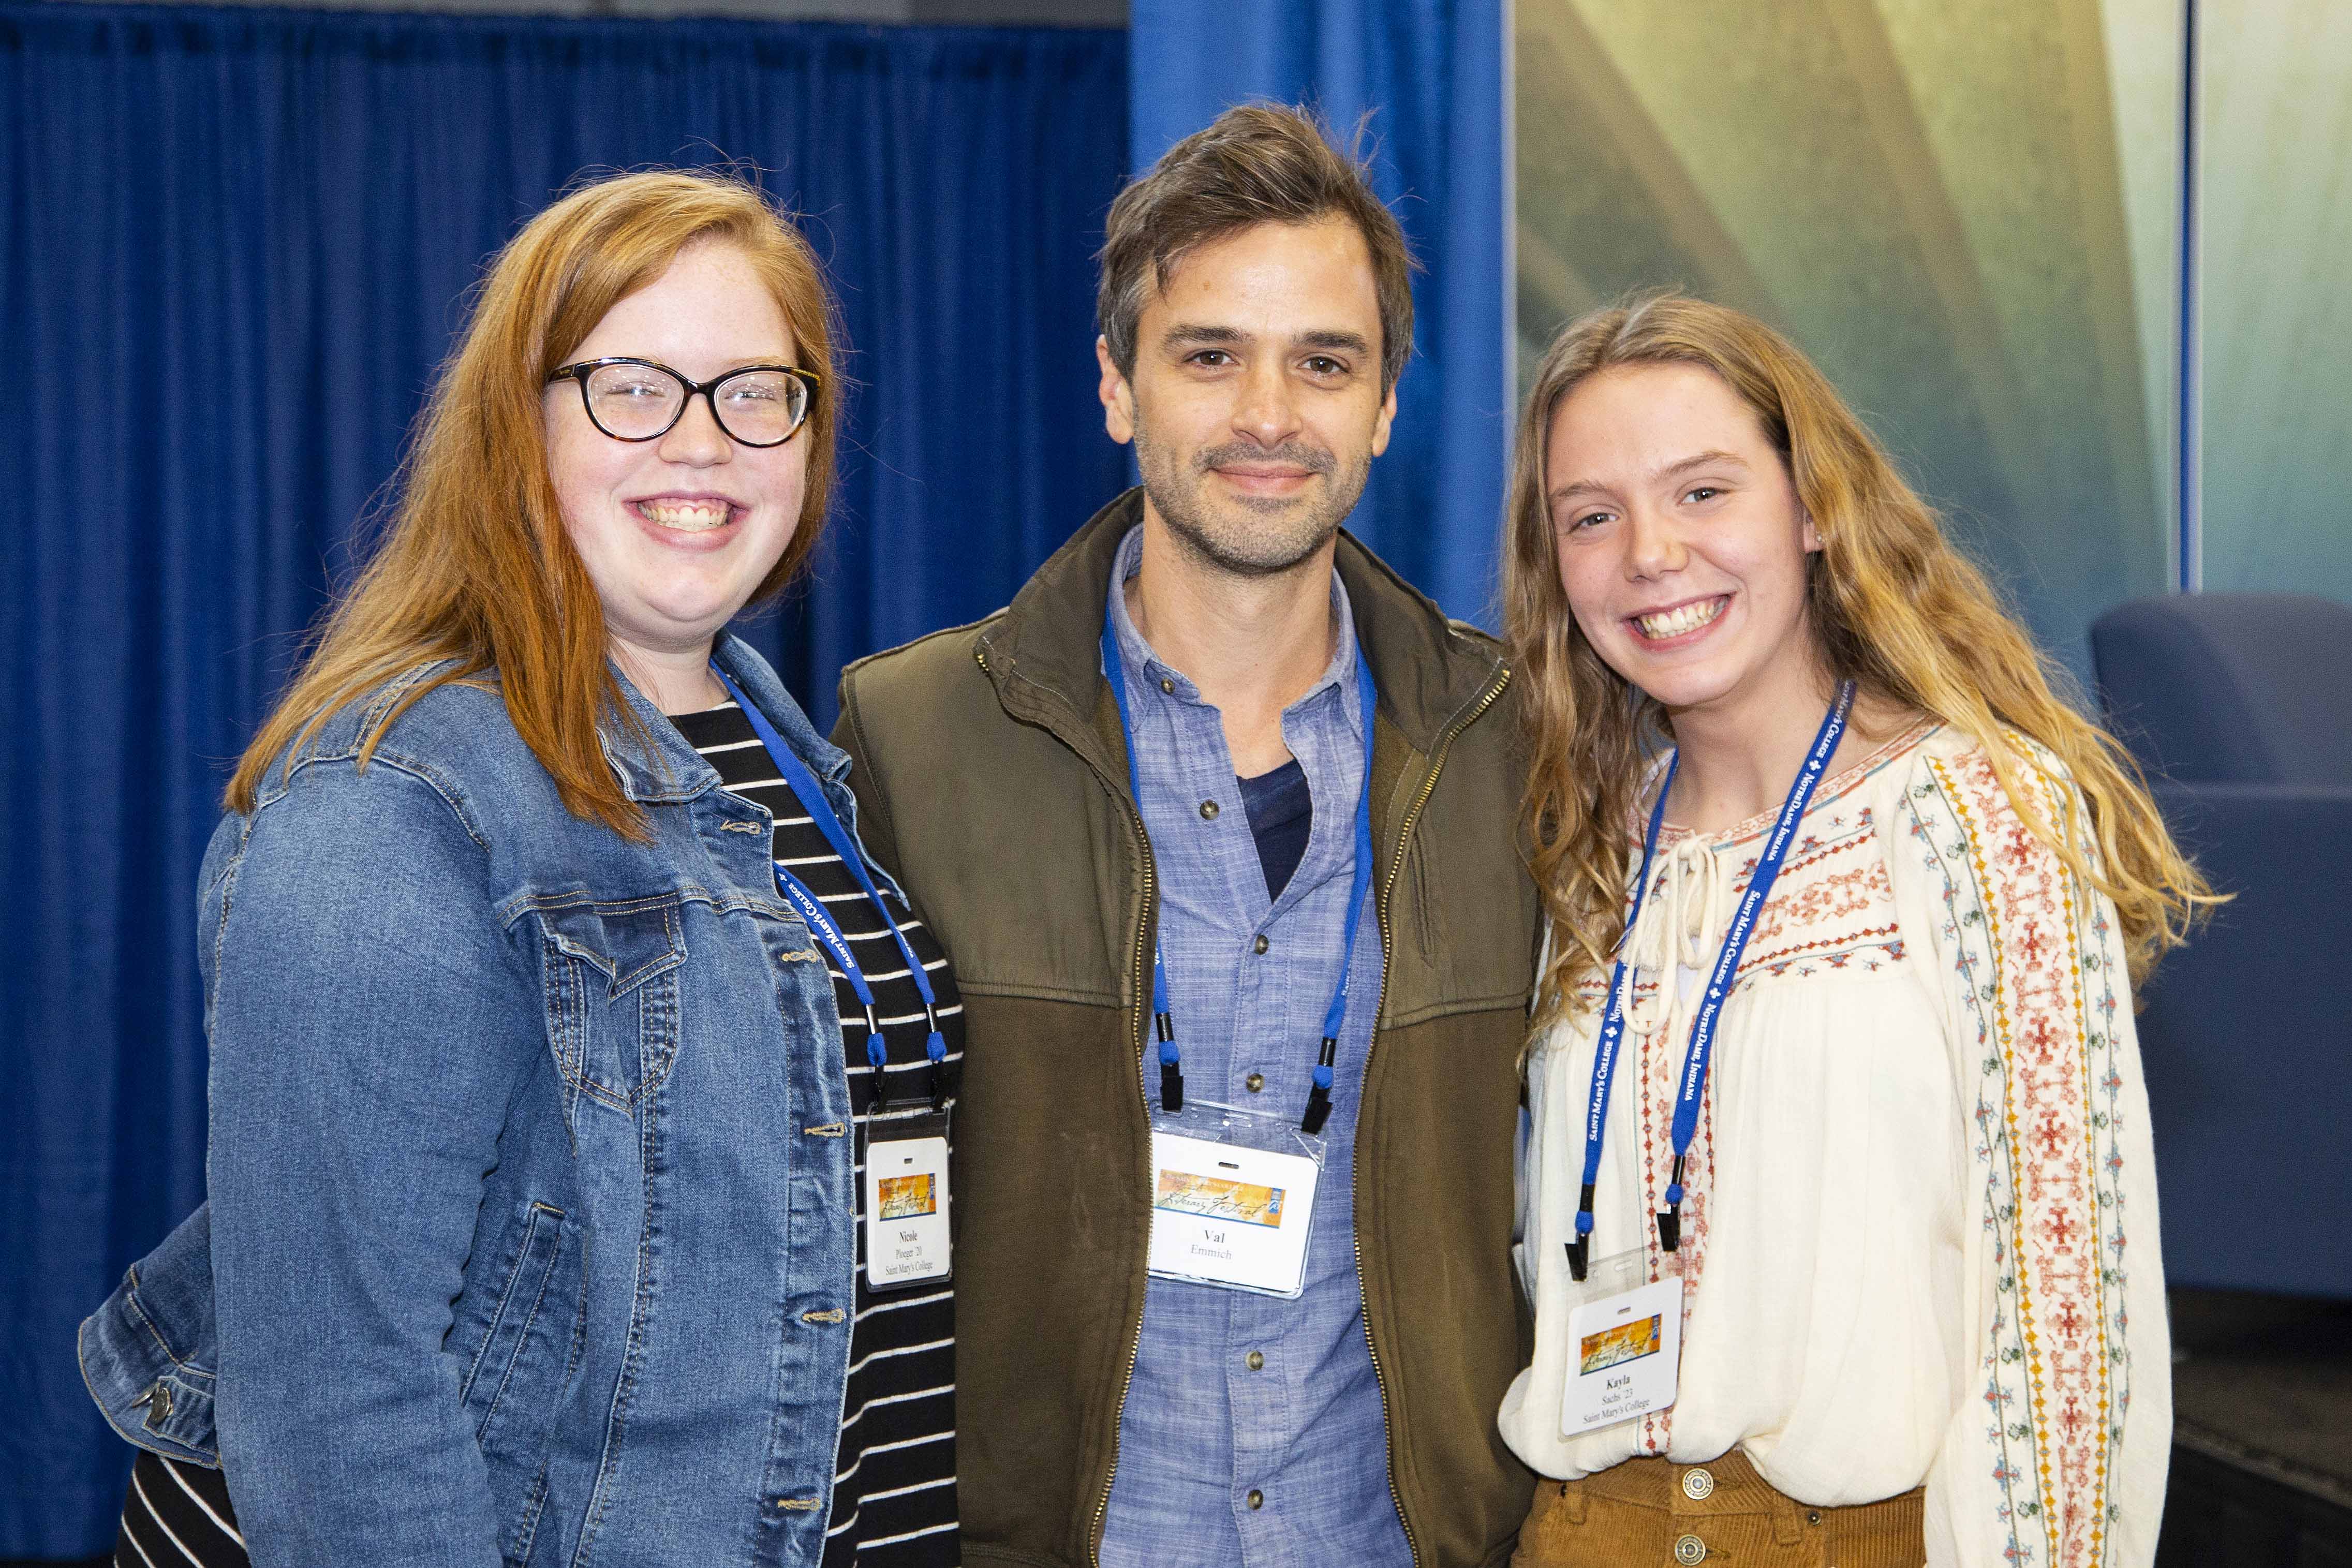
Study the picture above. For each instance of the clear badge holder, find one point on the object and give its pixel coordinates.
(904, 1201)
(1625, 1342)
(1233, 1198)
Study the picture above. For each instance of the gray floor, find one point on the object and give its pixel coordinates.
(2265, 1383)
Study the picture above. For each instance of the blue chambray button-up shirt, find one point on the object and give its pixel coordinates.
(1237, 1396)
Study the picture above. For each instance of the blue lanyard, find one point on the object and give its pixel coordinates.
(821, 923)
(1718, 984)
(1335, 1017)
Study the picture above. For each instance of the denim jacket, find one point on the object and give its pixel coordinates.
(530, 1225)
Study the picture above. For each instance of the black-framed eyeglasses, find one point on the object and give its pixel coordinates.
(642, 400)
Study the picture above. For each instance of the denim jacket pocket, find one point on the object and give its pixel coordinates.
(526, 1353)
(610, 977)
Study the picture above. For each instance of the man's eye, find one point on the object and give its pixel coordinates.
(1324, 365)
(1214, 358)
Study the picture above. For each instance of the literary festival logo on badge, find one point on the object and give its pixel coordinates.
(907, 1198)
(1219, 1197)
(1614, 1347)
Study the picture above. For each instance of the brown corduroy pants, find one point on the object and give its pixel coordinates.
(1653, 1513)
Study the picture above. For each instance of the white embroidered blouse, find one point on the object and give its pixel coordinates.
(1923, 1144)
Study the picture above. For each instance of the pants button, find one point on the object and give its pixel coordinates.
(1697, 1485)
(1690, 1552)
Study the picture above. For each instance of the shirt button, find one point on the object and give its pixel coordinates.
(1256, 1498)
(1261, 944)
(1690, 1551)
(1256, 1360)
(1168, 686)
(1697, 1485)
(1208, 811)
(1254, 1082)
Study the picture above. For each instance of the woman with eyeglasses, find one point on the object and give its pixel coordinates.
(579, 1092)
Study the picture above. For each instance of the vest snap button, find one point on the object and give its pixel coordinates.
(1254, 1082)
(1690, 1551)
(1256, 1498)
(1697, 1485)
(1208, 811)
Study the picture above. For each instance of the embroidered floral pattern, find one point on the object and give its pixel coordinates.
(2039, 974)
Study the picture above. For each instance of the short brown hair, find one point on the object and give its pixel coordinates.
(1260, 162)
(478, 567)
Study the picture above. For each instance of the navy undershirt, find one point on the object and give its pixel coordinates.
(1281, 814)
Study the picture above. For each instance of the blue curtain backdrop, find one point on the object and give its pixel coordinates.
(1431, 73)
(233, 247)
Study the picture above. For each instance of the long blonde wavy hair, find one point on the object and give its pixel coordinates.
(476, 566)
(1891, 604)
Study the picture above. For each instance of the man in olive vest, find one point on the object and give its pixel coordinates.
(1217, 822)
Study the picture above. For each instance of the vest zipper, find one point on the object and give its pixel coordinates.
(1143, 1095)
(1387, 887)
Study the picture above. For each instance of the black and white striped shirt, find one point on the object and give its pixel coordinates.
(894, 1498)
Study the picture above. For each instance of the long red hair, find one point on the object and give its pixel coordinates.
(476, 567)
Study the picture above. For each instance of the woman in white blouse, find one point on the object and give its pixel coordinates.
(1893, 1295)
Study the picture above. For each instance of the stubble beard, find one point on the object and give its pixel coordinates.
(1246, 536)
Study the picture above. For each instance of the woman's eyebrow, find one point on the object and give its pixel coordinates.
(1696, 460)
(1664, 471)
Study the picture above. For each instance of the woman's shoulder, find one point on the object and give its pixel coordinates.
(1967, 770)
(429, 722)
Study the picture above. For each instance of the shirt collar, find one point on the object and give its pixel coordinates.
(1146, 673)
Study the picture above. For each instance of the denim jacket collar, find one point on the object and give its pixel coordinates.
(672, 770)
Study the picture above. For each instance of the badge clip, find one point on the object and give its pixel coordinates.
(1171, 1072)
(1670, 1220)
(1579, 1250)
(877, 1057)
(936, 1047)
(1319, 1097)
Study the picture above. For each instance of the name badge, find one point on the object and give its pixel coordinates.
(1624, 1352)
(1231, 1216)
(907, 1207)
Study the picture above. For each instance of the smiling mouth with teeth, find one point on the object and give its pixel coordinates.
(686, 516)
(1681, 619)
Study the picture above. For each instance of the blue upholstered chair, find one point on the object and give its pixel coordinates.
(2239, 708)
